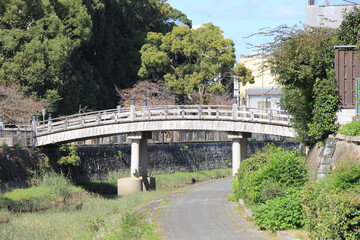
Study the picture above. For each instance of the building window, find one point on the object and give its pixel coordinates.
(264, 104)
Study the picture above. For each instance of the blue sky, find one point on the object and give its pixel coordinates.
(241, 18)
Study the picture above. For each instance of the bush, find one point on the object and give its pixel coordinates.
(332, 205)
(59, 184)
(351, 129)
(268, 173)
(52, 187)
(281, 213)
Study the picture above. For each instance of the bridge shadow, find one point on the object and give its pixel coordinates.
(98, 187)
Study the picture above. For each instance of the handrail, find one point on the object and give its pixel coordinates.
(165, 112)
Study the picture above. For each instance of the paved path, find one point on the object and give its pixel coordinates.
(203, 212)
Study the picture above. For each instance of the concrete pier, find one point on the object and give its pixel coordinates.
(138, 181)
(239, 148)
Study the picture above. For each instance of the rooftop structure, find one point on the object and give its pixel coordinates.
(328, 13)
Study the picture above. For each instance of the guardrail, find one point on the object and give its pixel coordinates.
(161, 113)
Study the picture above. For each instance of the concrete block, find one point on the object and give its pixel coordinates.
(327, 160)
(129, 185)
(324, 169)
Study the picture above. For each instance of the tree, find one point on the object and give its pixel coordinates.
(189, 60)
(244, 74)
(154, 92)
(301, 57)
(73, 52)
(15, 107)
(349, 30)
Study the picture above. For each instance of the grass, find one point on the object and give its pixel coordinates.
(351, 129)
(52, 189)
(96, 217)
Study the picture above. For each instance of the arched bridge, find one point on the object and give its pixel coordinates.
(138, 122)
(153, 118)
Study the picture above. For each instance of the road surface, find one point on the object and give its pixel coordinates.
(202, 212)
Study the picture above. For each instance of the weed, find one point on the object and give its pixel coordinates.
(5, 215)
(96, 224)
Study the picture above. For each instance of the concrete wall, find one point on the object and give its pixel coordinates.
(17, 166)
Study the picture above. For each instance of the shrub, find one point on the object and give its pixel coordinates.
(5, 215)
(332, 205)
(59, 184)
(268, 173)
(281, 212)
(71, 158)
(351, 129)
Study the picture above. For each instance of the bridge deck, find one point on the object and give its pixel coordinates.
(152, 118)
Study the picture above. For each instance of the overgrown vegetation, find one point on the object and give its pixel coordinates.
(332, 205)
(351, 129)
(303, 60)
(90, 217)
(275, 185)
(268, 174)
(71, 157)
(51, 189)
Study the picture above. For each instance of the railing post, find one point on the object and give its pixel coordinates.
(66, 123)
(98, 118)
(166, 111)
(234, 109)
(200, 112)
(270, 116)
(132, 109)
(182, 113)
(117, 112)
(33, 123)
(50, 123)
(144, 109)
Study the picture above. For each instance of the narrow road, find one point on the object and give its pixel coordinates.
(203, 212)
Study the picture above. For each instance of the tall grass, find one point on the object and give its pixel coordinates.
(51, 188)
(98, 217)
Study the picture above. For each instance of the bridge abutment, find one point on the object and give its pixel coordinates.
(239, 148)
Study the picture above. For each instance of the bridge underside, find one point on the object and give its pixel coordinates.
(165, 125)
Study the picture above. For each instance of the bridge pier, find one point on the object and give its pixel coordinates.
(239, 148)
(138, 181)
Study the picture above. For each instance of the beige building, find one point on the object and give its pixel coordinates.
(264, 92)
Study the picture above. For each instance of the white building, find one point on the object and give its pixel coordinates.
(327, 14)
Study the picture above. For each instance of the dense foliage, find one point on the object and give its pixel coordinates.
(271, 180)
(332, 205)
(351, 129)
(348, 32)
(73, 52)
(189, 60)
(301, 57)
(284, 212)
(268, 173)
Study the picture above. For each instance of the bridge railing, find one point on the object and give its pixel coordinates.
(156, 113)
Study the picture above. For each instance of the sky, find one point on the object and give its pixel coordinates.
(241, 18)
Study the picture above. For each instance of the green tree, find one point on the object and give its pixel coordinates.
(348, 31)
(73, 52)
(244, 74)
(300, 57)
(191, 61)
